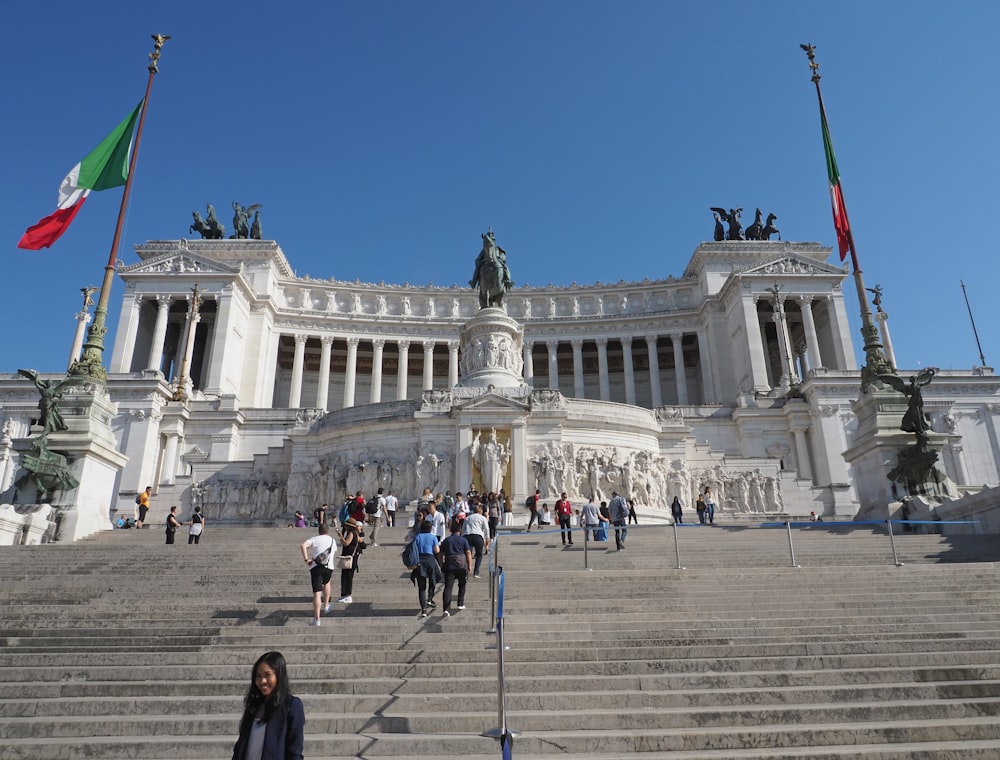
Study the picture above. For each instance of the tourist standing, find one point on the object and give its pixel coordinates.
(318, 553)
(591, 518)
(351, 546)
(457, 555)
(632, 516)
(273, 722)
(700, 508)
(677, 511)
(197, 526)
(619, 517)
(493, 503)
(709, 506)
(564, 513)
(172, 525)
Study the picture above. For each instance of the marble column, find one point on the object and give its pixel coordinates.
(529, 367)
(402, 372)
(185, 382)
(128, 327)
(378, 345)
(428, 384)
(323, 388)
(708, 390)
(553, 348)
(843, 349)
(452, 364)
(159, 333)
(629, 371)
(752, 328)
(680, 371)
(168, 472)
(578, 390)
(82, 318)
(802, 453)
(656, 393)
(882, 318)
(788, 374)
(298, 362)
(351, 371)
(809, 326)
(602, 368)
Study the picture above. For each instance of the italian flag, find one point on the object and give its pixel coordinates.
(840, 222)
(104, 167)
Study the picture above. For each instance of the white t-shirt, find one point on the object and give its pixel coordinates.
(319, 544)
(437, 521)
(390, 503)
(477, 525)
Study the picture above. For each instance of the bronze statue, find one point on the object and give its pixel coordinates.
(720, 231)
(241, 224)
(770, 229)
(255, 228)
(756, 230)
(491, 275)
(87, 300)
(914, 419)
(877, 300)
(732, 218)
(50, 419)
(210, 228)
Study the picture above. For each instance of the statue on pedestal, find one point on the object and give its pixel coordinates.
(492, 276)
(915, 420)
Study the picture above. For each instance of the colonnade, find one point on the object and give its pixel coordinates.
(588, 374)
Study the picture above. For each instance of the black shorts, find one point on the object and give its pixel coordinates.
(142, 513)
(319, 575)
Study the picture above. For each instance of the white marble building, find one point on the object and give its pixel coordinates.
(302, 388)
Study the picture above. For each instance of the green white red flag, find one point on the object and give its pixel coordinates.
(842, 225)
(106, 166)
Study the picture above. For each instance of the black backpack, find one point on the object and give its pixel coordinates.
(529, 502)
(138, 498)
(372, 506)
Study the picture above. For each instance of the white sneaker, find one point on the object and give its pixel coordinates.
(448, 614)
(477, 576)
(315, 622)
(328, 608)
(461, 606)
(345, 600)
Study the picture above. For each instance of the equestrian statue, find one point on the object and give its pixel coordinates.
(492, 276)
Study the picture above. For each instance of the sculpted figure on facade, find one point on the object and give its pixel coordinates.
(492, 458)
(405, 305)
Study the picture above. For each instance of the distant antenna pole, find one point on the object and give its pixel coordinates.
(982, 359)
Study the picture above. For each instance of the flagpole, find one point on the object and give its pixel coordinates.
(875, 362)
(90, 365)
(982, 359)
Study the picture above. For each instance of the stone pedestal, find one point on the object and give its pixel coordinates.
(94, 462)
(878, 443)
(491, 351)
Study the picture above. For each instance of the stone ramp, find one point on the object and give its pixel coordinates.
(121, 647)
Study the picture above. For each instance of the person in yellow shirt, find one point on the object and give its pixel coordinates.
(143, 506)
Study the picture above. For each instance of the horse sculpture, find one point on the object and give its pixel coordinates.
(491, 275)
(770, 229)
(756, 230)
(210, 228)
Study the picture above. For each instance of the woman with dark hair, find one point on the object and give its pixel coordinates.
(273, 720)
(352, 544)
(427, 575)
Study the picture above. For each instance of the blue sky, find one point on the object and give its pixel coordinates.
(383, 138)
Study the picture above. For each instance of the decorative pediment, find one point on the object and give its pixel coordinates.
(791, 264)
(178, 263)
(492, 399)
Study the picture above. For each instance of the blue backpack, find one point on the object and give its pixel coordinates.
(345, 511)
(410, 555)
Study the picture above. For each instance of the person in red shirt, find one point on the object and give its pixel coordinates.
(564, 511)
(357, 509)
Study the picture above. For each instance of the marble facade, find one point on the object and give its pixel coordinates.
(303, 389)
